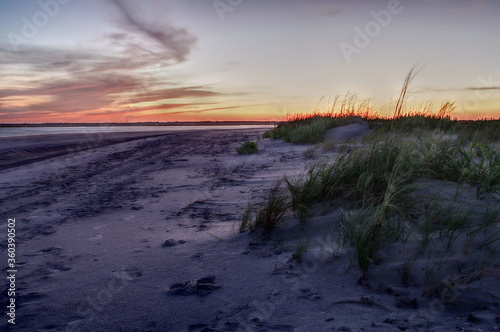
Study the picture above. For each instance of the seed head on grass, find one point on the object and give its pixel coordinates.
(310, 128)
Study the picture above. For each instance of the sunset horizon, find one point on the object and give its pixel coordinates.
(122, 61)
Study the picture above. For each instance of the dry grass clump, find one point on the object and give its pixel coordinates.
(264, 217)
(311, 127)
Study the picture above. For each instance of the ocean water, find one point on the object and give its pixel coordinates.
(29, 131)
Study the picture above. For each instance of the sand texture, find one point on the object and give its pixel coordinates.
(140, 232)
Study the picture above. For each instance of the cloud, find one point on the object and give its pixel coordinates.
(51, 82)
(204, 110)
(333, 12)
(172, 93)
(85, 93)
(43, 82)
(127, 78)
(77, 88)
(132, 110)
(479, 88)
(164, 110)
(15, 116)
(177, 42)
(43, 59)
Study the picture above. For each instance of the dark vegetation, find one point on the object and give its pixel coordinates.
(247, 148)
(377, 185)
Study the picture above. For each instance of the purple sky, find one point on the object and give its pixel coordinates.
(154, 60)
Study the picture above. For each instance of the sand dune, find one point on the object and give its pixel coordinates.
(136, 232)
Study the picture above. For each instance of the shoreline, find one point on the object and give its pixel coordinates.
(23, 131)
(140, 124)
(19, 150)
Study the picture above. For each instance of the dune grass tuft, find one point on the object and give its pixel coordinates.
(300, 250)
(305, 130)
(266, 216)
(311, 128)
(247, 148)
(363, 230)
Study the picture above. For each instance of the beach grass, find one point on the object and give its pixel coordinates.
(375, 184)
(311, 127)
(305, 130)
(248, 148)
(300, 250)
(264, 217)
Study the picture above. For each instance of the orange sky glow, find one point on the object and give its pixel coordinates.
(169, 60)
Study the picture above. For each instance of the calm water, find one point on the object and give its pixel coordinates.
(28, 131)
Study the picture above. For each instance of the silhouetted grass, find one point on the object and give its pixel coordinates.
(483, 131)
(311, 127)
(305, 130)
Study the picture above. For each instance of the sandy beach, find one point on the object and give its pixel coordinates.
(140, 232)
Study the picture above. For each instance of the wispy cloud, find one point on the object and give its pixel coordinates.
(127, 79)
(177, 42)
(204, 110)
(169, 110)
(43, 82)
(171, 93)
(87, 93)
(480, 88)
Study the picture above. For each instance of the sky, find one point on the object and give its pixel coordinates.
(212, 60)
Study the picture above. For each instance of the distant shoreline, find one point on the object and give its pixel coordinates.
(131, 124)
